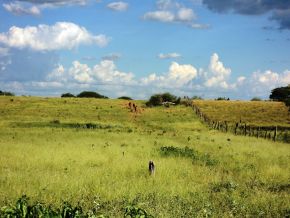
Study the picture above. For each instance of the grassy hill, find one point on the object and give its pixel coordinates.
(259, 113)
(95, 153)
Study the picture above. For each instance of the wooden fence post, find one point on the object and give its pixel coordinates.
(275, 134)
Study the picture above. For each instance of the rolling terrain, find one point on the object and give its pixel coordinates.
(95, 153)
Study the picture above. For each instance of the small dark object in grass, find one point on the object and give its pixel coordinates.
(151, 167)
(228, 139)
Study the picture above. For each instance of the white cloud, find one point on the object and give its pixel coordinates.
(218, 74)
(56, 2)
(104, 72)
(162, 16)
(118, 6)
(107, 71)
(177, 76)
(19, 9)
(185, 15)
(81, 72)
(169, 55)
(172, 12)
(61, 35)
(34, 7)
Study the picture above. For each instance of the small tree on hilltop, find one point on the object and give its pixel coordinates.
(125, 98)
(158, 99)
(89, 94)
(155, 100)
(67, 95)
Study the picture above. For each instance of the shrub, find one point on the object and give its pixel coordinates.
(158, 99)
(197, 98)
(6, 93)
(256, 99)
(125, 98)
(67, 95)
(155, 100)
(89, 94)
(222, 99)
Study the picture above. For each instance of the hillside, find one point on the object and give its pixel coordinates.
(260, 113)
(95, 152)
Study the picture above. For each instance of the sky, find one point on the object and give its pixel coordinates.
(228, 48)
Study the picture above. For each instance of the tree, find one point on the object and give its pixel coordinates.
(67, 95)
(155, 100)
(6, 93)
(89, 94)
(281, 94)
(168, 97)
(158, 99)
(125, 98)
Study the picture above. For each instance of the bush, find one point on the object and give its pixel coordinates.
(158, 99)
(256, 99)
(155, 100)
(222, 99)
(6, 93)
(125, 98)
(197, 98)
(67, 95)
(89, 94)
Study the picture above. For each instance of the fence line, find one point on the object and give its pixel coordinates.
(275, 133)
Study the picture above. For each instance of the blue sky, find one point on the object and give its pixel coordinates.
(233, 48)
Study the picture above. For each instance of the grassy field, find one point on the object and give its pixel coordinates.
(47, 154)
(258, 113)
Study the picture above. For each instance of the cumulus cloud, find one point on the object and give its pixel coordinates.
(172, 12)
(61, 35)
(218, 74)
(19, 9)
(178, 75)
(185, 15)
(279, 8)
(169, 55)
(104, 72)
(118, 6)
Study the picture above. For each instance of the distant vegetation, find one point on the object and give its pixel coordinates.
(6, 93)
(68, 95)
(84, 94)
(256, 99)
(159, 99)
(125, 98)
(281, 94)
(222, 99)
(89, 94)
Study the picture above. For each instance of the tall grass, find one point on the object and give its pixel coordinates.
(108, 166)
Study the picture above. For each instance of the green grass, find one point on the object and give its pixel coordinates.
(45, 156)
